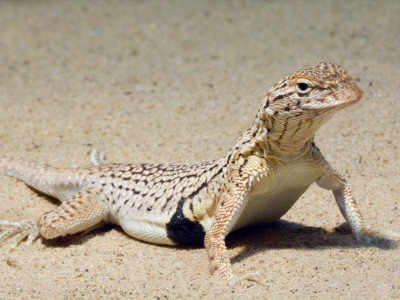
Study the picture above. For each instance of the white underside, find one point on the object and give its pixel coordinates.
(146, 230)
(275, 195)
(265, 209)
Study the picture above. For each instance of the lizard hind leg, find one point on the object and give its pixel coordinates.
(81, 212)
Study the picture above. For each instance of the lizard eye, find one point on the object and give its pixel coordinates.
(303, 86)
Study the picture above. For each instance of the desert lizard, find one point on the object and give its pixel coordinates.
(268, 168)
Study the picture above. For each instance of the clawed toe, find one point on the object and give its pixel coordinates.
(256, 277)
(19, 231)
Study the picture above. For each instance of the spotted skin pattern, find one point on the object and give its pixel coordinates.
(268, 168)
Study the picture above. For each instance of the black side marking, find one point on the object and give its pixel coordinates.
(183, 231)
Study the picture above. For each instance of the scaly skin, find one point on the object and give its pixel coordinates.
(271, 164)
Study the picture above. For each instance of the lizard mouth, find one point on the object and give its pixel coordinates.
(349, 97)
(329, 100)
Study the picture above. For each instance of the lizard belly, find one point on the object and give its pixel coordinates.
(147, 230)
(274, 196)
(267, 208)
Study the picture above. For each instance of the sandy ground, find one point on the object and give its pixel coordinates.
(175, 81)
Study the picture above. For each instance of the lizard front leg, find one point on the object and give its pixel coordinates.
(332, 180)
(231, 204)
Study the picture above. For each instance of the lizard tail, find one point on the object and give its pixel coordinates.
(60, 183)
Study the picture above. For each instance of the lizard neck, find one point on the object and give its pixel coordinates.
(282, 138)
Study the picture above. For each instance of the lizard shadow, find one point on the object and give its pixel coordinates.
(278, 235)
(79, 238)
(290, 235)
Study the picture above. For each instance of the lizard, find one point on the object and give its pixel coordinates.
(260, 178)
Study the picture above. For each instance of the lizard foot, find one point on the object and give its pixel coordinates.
(384, 238)
(19, 231)
(363, 238)
(255, 277)
(367, 236)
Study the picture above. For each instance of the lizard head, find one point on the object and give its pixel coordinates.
(299, 104)
(323, 87)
